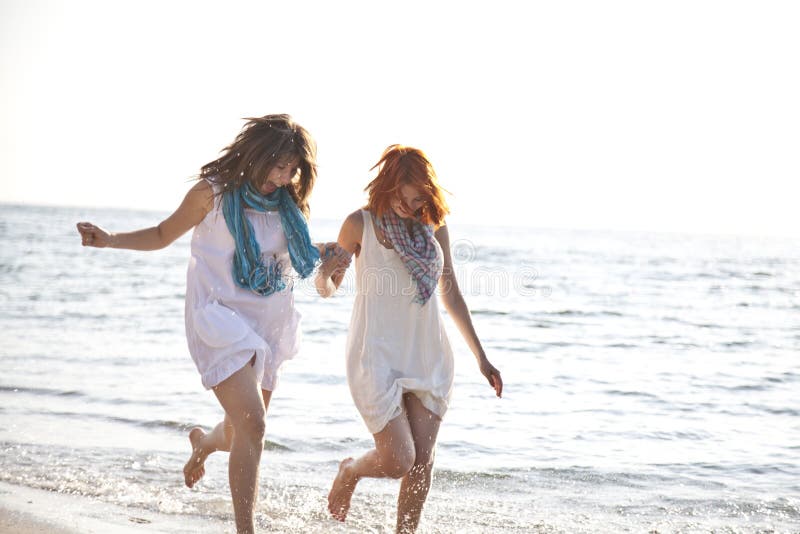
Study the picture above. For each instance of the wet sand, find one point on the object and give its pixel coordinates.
(25, 510)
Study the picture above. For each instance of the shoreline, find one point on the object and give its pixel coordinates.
(26, 510)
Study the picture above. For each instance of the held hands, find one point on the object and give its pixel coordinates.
(94, 236)
(492, 375)
(335, 261)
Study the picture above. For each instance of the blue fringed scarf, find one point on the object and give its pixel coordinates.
(249, 269)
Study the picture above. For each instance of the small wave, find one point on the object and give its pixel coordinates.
(741, 387)
(165, 296)
(14, 269)
(672, 319)
(789, 376)
(275, 446)
(748, 510)
(662, 261)
(559, 344)
(581, 313)
(346, 443)
(157, 331)
(458, 446)
(622, 346)
(323, 331)
(507, 346)
(333, 419)
(788, 290)
(71, 393)
(181, 426)
(588, 475)
(738, 344)
(144, 423)
(156, 423)
(489, 312)
(755, 288)
(58, 316)
(705, 275)
(471, 477)
(761, 469)
(775, 411)
(675, 436)
(632, 394)
(80, 315)
(41, 391)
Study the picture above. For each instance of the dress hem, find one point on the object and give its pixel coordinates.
(225, 369)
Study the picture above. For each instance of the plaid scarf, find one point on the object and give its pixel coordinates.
(417, 250)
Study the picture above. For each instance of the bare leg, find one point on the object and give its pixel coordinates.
(219, 439)
(393, 457)
(244, 407)
(267, 396)
(415, 485)
(203, 444)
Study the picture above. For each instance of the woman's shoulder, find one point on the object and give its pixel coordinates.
(355, 219)
(442, 232)
(201, 196)
(203, 185)
(352, 230)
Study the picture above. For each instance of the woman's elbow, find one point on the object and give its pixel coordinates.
(163, 240)
(451, 299)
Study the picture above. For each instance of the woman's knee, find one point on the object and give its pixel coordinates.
(251, 426)
(424, 457)
(398, 462)
(422, 468)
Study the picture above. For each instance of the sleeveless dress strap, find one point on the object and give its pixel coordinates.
(368, 236)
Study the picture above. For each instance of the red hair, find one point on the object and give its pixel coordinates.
(403, 165)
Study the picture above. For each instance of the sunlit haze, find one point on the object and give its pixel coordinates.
(669, 116)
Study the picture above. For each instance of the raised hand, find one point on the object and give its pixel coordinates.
(93, 236)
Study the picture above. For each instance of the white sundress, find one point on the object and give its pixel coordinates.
(226, 324)
(394, 345)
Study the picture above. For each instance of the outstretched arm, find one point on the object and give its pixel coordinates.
(331, 273)
(457, 308)
(195, 206)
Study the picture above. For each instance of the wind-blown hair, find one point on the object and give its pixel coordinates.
(262, 144)
(403, 165)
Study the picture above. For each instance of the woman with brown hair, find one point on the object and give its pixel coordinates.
(248, 210)
(399, 360)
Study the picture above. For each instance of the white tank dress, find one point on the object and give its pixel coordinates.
(394, 345)
(226, 324)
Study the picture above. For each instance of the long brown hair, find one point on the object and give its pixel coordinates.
(401, 165)
(262, 144)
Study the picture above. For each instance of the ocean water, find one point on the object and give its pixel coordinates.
(652, 384)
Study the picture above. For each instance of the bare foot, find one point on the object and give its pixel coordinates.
(342, 490)
(195, 467)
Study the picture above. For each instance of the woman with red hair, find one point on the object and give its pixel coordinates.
(399, 360)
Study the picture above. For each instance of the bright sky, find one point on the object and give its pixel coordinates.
(670, 116)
